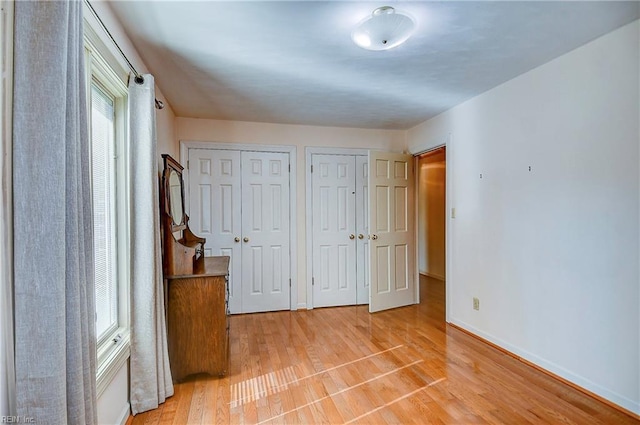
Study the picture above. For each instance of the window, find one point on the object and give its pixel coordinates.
(104, 192)
(107, 114)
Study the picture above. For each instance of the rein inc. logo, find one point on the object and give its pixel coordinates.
(17, 420)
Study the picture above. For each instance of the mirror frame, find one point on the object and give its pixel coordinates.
(171, 165)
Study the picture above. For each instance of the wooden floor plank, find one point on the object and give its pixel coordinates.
(184, 404)
(344, 365)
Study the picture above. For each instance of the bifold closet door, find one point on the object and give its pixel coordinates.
(239, 202)
(265, 232)
(214, 208)
(334, 230)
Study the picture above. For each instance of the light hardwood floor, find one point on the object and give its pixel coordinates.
(343, 365)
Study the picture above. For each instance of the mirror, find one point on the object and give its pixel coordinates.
(182, 251)
(173, 194)
(175, 198)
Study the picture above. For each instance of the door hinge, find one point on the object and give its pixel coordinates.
(289, 167)
(289, 282)
(313, 281)
(187, 164)
(312, 168)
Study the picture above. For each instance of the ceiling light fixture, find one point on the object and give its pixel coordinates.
(384, 29)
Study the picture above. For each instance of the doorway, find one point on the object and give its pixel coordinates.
(432, 222)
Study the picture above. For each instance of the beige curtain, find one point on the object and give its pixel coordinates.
(150, 375)
(7, 372)
(55, 353)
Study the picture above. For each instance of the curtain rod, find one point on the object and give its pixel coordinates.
(139, 79)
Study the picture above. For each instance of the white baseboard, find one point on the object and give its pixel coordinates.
(555, 369)
(301, 306)
(124, 416)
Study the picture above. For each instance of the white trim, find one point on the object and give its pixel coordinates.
(549, 366)
(115, 61)
(7, 370)
(113, 361)
(309, 152)
(111, 74)
(416, 241)
(124, 416)
(449, 226)
(185, 145)
(312, 150)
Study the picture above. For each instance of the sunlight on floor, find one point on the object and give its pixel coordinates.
(253, 389)
(349, 389)
(261, 386)
(364, 415)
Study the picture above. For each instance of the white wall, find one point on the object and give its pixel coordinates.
(191, 129)
(114, 400)
(113, 404)
(552, 253)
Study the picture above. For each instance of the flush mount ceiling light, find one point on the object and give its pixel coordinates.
(384, 29)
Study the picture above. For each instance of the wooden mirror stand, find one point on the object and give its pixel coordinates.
(196, 288)
(183, 251)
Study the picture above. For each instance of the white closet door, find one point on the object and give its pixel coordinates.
(362, 229)
(214, 208)
(265, 232)
(334, 238)
(392, 226)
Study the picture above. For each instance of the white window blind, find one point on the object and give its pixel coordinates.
(104, 209)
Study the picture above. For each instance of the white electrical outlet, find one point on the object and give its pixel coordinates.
(476, 303)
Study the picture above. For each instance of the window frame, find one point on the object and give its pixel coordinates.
(113, 201)
(113, 349)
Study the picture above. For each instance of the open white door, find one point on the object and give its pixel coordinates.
(392, 231)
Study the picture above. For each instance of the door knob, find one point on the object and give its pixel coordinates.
(236, 239)
(360, 236)
(246, 239)
(352, 236)
(374, 237)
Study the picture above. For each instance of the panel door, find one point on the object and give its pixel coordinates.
(334, 230)
(214, 208)
(362, 229)
(392, 227)
(265, 232)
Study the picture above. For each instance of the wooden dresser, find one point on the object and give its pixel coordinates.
(196, 288)
(197, 320)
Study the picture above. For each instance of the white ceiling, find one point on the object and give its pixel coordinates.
(294, 61)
